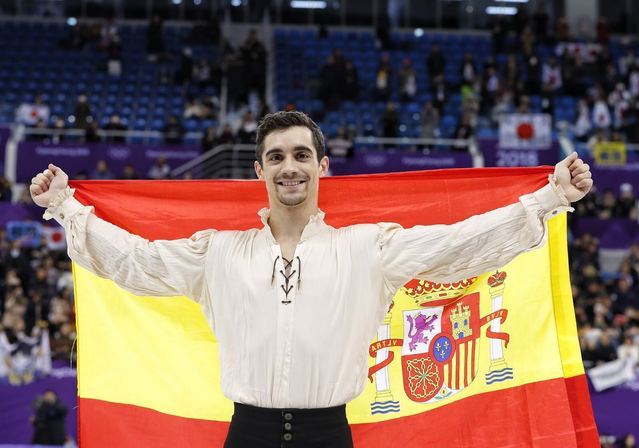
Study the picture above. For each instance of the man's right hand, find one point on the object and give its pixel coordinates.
(46, 185)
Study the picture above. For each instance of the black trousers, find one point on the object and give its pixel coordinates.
(253, 427)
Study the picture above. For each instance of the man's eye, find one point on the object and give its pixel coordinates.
(303, 155)
(275, 157)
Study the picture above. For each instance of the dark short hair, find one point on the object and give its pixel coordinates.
(284, 120)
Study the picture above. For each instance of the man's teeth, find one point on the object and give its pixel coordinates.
(291, 184)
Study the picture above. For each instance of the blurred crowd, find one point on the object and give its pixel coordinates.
(36, 301)
(243, 68)
(512, 80)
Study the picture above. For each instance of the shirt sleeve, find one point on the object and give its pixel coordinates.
(143, 267)
(481, 243)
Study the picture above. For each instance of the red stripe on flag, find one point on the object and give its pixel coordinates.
(175, 209)
(457, 368)
(495, 419)
(466, 364)
(472, 360)
(106, 424)
(515, 417)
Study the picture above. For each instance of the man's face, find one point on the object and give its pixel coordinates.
(290, 167)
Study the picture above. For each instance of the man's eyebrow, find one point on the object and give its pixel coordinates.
(272, 150)
(302, 148)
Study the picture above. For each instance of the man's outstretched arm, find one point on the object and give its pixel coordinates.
(481, 243)
(159, 268)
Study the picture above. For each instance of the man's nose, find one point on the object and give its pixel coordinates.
(289, 167)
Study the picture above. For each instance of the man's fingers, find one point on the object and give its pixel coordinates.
(575, 180)
(584, 184)
(54, 169)
(44, 179)
(569, 160)
(580, 169)
(35, 189)
(48, 174)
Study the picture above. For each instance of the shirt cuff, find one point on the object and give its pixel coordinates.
(552, 199)
(63, 207)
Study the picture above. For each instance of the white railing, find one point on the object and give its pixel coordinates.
(227, 161)
(104, 134)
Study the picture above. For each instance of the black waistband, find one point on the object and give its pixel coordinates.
(286, 414)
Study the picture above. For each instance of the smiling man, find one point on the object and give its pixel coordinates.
(303, 280)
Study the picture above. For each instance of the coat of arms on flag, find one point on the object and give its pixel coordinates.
(441, 341)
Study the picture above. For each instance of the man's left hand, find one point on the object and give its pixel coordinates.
(574, 176)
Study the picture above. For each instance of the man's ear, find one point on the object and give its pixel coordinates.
(323, 165)
(258, 170)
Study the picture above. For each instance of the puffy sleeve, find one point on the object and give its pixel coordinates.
(143, 267)
(481, 243)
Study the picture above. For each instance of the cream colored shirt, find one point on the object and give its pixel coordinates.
(301, 342)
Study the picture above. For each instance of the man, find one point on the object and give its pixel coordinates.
(49, 420)
(303, 280)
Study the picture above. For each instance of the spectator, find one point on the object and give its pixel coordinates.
(254, 56)
(351, 82)
(30, 114)
(129, 173)
(333, 80)
(5, 190)
(109, 38)
(429, 120)
(619, 101)
(626, 206)
(512, 72)
(236, 80)
(383, 78)
(155, 38)
(49, 420)
(58, 133)
(633, 80)
(551, 77)
(227, 136)
(407, 81)
(390, 121)
(341, 145)
(440, 94)
(209, 141)
(173, 131)
(194, 108)
(101, 171)
(574, 73)
(82, 112)
(248, 128)
(435, 62)
(91, 133)
(468, 69)
(160, 169)
(533, 72)
(116, 126)
(601, 114)
(184, 74)
(464, 131)
(583, 125)
(202, 73)
(607, 205)
(491, 89)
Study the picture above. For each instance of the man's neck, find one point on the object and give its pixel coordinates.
(288, 223)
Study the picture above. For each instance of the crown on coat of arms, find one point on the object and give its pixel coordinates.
(424, 292)
(497, 279)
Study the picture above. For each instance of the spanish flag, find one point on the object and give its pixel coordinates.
(491, 361)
